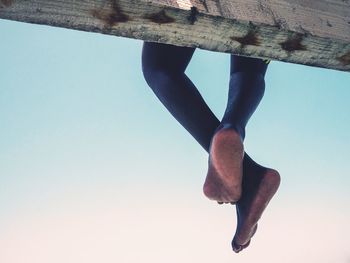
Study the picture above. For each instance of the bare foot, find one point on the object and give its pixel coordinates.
(224, 179)
(259, 186)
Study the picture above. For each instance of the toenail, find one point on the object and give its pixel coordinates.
(236, 248)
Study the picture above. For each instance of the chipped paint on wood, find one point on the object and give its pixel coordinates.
(344, 59)
(160, 17)
(251, 38)
(111, 17)
(193, 16)
(304, 32)
(293, 43)
(6, 3)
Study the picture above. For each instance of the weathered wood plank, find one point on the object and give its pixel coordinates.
(315, 33)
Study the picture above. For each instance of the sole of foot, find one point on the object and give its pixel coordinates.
(224, 178)
(258, 191)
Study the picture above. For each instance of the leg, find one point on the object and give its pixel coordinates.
(163, 67)
(180, 96)
(164, 70)
(260, 184)
(246, 89)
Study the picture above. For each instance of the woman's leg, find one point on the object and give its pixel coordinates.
(164, 70)
(259, 186)
(246, 89)
(163, 67)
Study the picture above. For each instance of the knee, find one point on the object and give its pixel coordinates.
(156, 78)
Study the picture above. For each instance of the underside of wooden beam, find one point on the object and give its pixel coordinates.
(315, 33)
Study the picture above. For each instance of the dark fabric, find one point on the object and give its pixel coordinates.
(164, 70)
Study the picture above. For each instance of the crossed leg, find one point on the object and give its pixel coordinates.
(246, 89)
(164, 70)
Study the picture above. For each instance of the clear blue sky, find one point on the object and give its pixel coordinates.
(93, 168)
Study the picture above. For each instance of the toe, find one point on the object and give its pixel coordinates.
(238, 248)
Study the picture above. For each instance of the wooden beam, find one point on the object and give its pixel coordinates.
(310, 32)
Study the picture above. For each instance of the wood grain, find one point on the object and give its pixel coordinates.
(309, 32)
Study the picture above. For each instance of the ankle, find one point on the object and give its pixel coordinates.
(236, 128)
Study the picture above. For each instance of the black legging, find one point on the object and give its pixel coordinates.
(164, 68)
